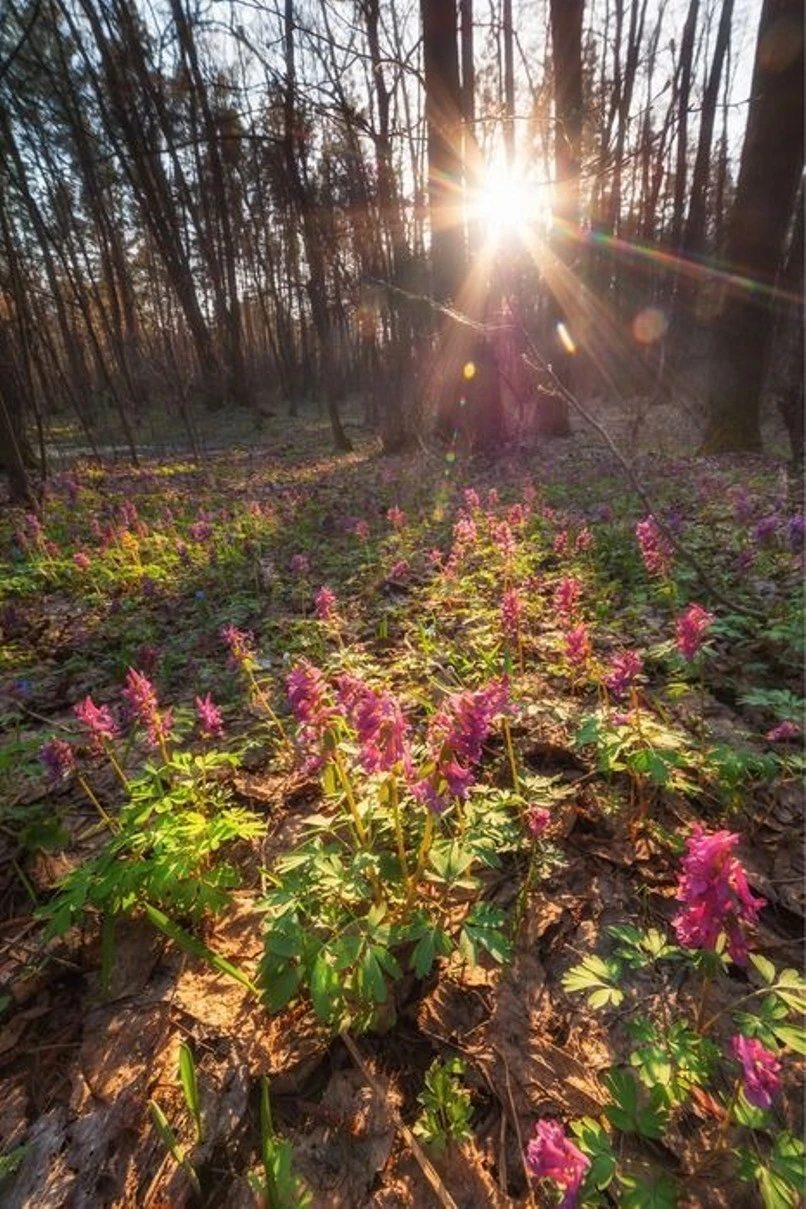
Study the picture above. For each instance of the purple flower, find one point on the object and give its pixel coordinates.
(537, 819)
(782, 732)
(795, 527)
(299, 565)
(211, 723)
(765, 530)
(578, 647)
(401, 569)
(58, 758)
(761, 1070)
(553, 1156)
(142, 698)
(655, 550)
(715, 894)
(97, 719)
(511, 610)
(456, 736)
(379, 723)
(690, 630)
(310, 702)
(200, 531)
(241, 645)
(566, 596)
(325, 603)
(624, 667)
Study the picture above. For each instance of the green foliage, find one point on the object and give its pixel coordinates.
(190, 1086)
(672, 1059)
(781, 1175)
(172, 1143)
(277, 1186)
(600, 977)
(164, 848)
(446, 1107)
(632, 1112)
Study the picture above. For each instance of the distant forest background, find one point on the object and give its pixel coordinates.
(244, 204)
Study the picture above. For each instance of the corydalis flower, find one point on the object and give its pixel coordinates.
(82, 560)
(324, 603)
(761, 1070)
(97, 719)
(379, 723)
(690, 630)
(310, 702)
(715, 895)
(578, 648)
(211, 724)
(566, 596)
(240, 643)
(624, 667)
(58, 758)
(553, 1156)
(655, 550)
(537, 819)
(782, 732)
(142, 698)
(401, 570)
(396, 517)
(456, 736)
(511, 610)
(299, 565)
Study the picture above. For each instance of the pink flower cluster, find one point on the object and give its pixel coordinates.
(690, 630)
(142, 698)
(578, 648)
(240, 643)
(624, 668)
(655, 550)
(456, 735)
(567, 595)
(551, 1155)
(511, 611)
(379, 723)
(98, 720)
(396, 517)
(310, 702)
(58, 758)
(324, 603)
(761, 1070)
(715, 894)
(211, 723)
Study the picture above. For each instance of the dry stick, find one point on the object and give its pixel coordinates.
(426, 1166)
(541, 366)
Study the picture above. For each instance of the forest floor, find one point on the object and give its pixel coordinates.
(155, 869)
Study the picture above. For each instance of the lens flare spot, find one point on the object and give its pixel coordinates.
(469, 371)
(450, 457)
(566, 339)
(649, 325)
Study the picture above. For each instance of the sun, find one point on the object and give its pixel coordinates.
(506, 205)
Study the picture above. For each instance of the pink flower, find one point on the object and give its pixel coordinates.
(310, 702)
(58, 758)
(324, 603)
(82, 560)
(435, 557)
(655, 549)
(578, 647)
(361, 530)
(97, 719)
(241, 645)
(456, 736)
(537, 819)
(401, 569)
(624, 667)
(464, 533)
(511, 610)
(492, 498)
(299, 565)
(142, 698)
(518, 515)
(715, 895)
(566, 596)
(782, 732)
(380, 726)
(396, 517)
(561, 542)
(584, 540)
(211, 723)
(472, 501)
(504, 540)
(761, 1070)
(691, 628)
(553, 1156)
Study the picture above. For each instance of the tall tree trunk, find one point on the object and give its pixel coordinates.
(771, 165)
(443, 118)
(694, 237)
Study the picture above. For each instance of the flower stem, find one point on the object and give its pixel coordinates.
(513, 767)
(401, 847)
(107, 819)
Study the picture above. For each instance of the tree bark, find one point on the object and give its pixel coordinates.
(771, 165)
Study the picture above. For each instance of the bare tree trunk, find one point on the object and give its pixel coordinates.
(771, 165)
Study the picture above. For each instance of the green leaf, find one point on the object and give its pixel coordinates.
(658, 1191)
(598, 975)
(484, 928)
(792, 1035)
(764, 967)
(432, 944)
(195, 948)
(190, 1086)
(628, 1113)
